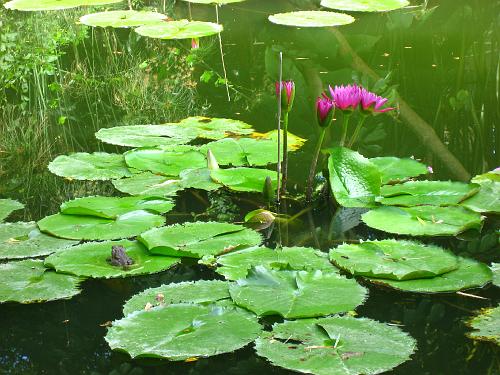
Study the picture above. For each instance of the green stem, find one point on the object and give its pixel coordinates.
(285, 152)
(314, 163)
(344, 128)
(357, 130)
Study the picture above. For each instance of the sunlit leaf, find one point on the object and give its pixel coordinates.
(312, 18)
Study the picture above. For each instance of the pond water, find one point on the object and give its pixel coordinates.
(442, 59)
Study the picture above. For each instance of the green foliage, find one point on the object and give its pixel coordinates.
(244, 179)
(7, 206)
(486, 325)
(365, 5)
(122, 18)
(393, 169)
(313, 18)
(182, 29)
(147, 183)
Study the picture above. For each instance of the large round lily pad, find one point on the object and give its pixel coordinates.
(486, 325)
(199, 239)
(147, 183)
(97, 228)
(198, 178)
(33, 5)
(336, 345)
(24, 240)
(182, 29)
(469, 274)
(393, 169)
(28, 281)
(487, 200)
(122, 18)
(365, 5)
(311, 18)
(84, 166)
(219, 2)
(215, 128)
(7, 206)
(93, 259)
(391, 259)
(423, 220)
(243, 179)
(296, 294)
(181, 331)
(235, 265)
(199, 292)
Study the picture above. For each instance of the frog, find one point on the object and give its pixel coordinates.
(119, 257)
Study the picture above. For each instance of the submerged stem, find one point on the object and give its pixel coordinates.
(345, 122)
(285, 152)
(314, 163)
(357, 130)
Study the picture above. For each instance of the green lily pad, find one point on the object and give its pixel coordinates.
(491, 176)
(215, 128)
(33, 5)
(7, 206)
(147, 183)
(495, 268)
(469, 274)
(78, 227)
(336, 345)
(219, 2)
(487, 199)
(354, 180)
(92, 259)
(122, 18)
(169, 162)
(294, 141)
(227, 151)
(112, 207)
(365, 5)
(436, 193)
(486, 325)
(423, 220)
(391, 259)
(24, 240)
(311, 18)
(296, 294)
(234, 266)
(199, 239)
(198, 178)
(84, 166)
(186, 331)
(182, 29)
(199, 292)
(28, 281)
(394, 169)
(244, 179)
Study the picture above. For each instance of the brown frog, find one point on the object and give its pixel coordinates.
(119, 257)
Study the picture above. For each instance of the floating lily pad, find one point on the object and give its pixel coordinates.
(199, 239)
(24, 240)
(365, 5)
(394, 169)
(199, 292)
(336, 345)
(469, 274)
(215, 128)
(312, 18)
(491, 176)
(147, 183)
(294, 142)
(227, 151)
(186, 331)
(391, 259)
(296, 294)
(198, 178)
(219, 2)
(244, 179)
(234, 266)
(495, 268)
(122, 18)
(182, 29)
(7, 206)
(33, 5)
(486, 325)
(487, 199)
(436, 193)
(112, 207)
(96, 228)
(92, 259)
(84, 166)
(354, 180)
(423, 220)
(28, 281)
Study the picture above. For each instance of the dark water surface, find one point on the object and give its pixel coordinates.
(442, 60)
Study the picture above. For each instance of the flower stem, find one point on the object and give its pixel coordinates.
(344, 128)
(285, 152)
(314, 163)
(357, 130)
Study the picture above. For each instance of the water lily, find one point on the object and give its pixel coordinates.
(195, 43)
(287, 94)
(346, 98)
(324, 110)
(371, 102)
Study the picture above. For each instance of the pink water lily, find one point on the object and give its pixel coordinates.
(195, 43)
(324, 110)
(346, 98)
(287, 94)
(371, 102)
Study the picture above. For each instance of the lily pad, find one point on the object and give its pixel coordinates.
(24, 240)
(294, 141)
(84, 166)
(487, 199)
(219, 2)
(112, 207)
(122, 18)
(311, 18)
(198, 178)
(336, 345)
(495, 268)
(33, 5)
(186, 331)
(182, 29)
(391, 259)
(394, 169)
(296, 294)
(436, 193)
(92, 259)
(365, 5)
(354, 180)
(423, 220)
(244, 179)
(486, 325)
(147, 183)
(491, 176)
(28, 281)
(469, 274)
(7, 206)
(96, 228)
(198, 239)
(199, 292)
(215, 128)
(234, 266)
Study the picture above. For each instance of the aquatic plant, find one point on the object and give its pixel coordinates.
(285, 92)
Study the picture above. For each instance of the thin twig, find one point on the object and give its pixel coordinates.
(222, 55)
(471, 295)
